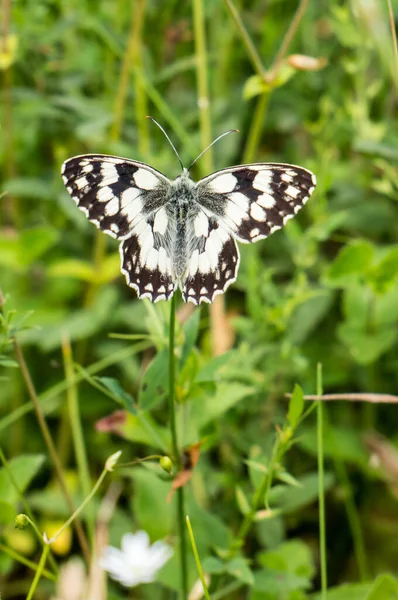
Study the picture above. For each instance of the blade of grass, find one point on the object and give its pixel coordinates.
(197, 559)
(51, 448)
(321, 487)
(77, 431)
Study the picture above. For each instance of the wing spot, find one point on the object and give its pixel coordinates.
(112, 207)
(293, 192)
(257, 212)
(223, 184)
(266, 200)
(105, 194)
(286, 177)
(145, 179)
(81, 183)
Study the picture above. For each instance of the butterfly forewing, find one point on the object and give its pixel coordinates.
(114, 193)
(253, 201)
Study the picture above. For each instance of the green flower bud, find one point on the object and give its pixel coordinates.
(166, 464)
(21, 521)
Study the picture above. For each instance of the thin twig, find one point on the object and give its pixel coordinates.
(51, 448)
(321, 485)
(291, 32)
(394, 38)
(357, 397)
(251, 49)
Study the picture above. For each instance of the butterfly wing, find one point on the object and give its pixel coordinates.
(253, 201)
(125, 199)
(114, 193)
(213, 260)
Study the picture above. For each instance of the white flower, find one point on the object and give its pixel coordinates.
(137, 561)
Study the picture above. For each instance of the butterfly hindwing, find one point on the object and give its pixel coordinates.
(213, 261)
(114, 193)
(255, 200)
(146, 262)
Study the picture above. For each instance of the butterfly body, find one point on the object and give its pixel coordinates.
(182, 233)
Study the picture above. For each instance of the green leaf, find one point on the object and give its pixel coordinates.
(34, 243)
(293, 556)
(366, 346)
(7, 513)
(385, 272)
(208, 408)
(150, 499)
(154, 383)
(283, 498)
(339, 443)
(279, 583)
(23, 468)
(255, 86)
(346, 591)
(213, 565)
(296, 406)
(191, 328)
(210, 371)
(8, 362)
(353, 260)
(385, 587)
(117, 391)
(242, 501)
(239, 568)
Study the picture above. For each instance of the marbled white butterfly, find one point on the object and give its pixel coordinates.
(180, 232)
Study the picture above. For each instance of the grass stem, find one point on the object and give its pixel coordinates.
(51, 448)
(76, 428)
(39, 572)
(197, 559)
(176, 453)
(321, 486)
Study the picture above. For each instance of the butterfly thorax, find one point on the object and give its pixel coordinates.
(182, 207)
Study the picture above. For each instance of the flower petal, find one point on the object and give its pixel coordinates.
(135, 543)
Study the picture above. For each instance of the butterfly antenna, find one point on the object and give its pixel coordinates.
(169, 140)
(212, 144)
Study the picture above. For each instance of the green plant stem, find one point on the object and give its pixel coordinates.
(76, 427)
(81, 507)
(251, 49)
(261, 492)
(25, 504)
(25, 561)
(197, 559)
(176, 454)
(291, 32)
(39, 572)
(51, 448)
(227, 590)
(256, 126)
(353, 520)
(53, 393)
(202, 83)
(321, 487)
(131, 56)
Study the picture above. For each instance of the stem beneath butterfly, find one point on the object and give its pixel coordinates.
(176, 454)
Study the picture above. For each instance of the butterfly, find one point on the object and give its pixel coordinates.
(182, 233)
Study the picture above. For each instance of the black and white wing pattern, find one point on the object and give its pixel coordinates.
(125, 199)
(213, 260)
(253, 201)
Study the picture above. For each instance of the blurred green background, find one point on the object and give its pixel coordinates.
(80, 77)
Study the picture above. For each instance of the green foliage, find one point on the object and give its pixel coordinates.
(325, 289)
